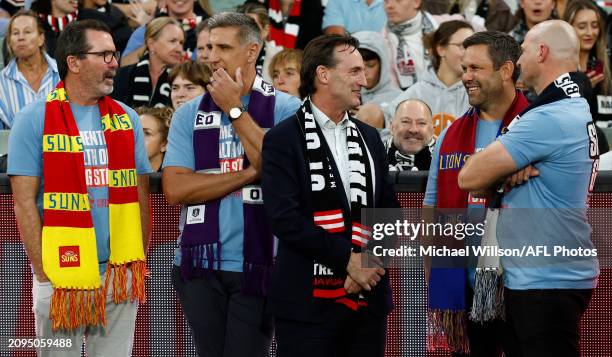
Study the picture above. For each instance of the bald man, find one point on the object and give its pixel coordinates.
(412, 138)
(548, 160)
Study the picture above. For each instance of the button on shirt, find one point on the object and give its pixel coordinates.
(335, 136)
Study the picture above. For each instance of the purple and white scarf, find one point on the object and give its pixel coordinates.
(200, 241)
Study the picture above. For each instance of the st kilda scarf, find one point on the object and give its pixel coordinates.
(284, 33)
(142, 92)
(327, 191)
(58, 24)
(200, 242)
(69, 253)
(447, 316)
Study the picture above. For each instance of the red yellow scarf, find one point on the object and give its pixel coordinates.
(69, 253)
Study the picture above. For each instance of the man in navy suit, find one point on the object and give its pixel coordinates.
(320, 169)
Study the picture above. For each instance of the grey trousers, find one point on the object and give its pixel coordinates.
(116, 340)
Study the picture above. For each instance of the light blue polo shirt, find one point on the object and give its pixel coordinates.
(180, 153)
(550, 209)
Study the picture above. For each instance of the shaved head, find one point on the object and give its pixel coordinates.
(551, 48)
(560, 37)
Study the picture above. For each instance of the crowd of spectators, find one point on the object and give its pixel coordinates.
(412, 49)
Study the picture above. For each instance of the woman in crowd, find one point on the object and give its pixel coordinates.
(146, 83)
(586, 19)
(441, 88)
(31, 73)
(104, 11)
(285, 69)
(155, 124)
(188, 80)
(531, 13)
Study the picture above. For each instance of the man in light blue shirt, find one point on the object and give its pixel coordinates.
(218, 306)
(349, 16)
(551, 153)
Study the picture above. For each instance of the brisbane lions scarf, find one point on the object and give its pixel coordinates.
(327, 190)
(446, 293)
(200, 241)
(284, 33)
(69, 253)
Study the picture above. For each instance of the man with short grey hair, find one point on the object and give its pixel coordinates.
(212, 167)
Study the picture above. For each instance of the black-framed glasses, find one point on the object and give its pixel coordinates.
(107, 55)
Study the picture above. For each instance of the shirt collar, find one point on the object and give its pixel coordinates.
(12, 71)
(325, 122)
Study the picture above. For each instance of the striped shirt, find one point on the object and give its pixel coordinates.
(16, 92)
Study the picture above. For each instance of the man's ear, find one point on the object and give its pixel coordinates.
(506, 70)
(74, 64)
(253, 50)
(543, 52)
(322, 74)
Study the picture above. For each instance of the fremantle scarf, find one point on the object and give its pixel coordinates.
(284, 33)
(447, 316)
(142, 93)
(327, 190)
(200, 241)
(69, 253)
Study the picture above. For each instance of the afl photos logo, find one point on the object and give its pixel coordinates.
(69, 256)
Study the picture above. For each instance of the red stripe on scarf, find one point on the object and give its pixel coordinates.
(328, 294)
(459, 142)
(123, 195)
(74, 219)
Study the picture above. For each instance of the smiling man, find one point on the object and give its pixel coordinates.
(320, 169)
(550, 156)
(212, 167)
(78, 145)
(412, 138)
(489, 75)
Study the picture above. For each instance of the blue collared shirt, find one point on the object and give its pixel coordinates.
(355, 15)
(16, 92)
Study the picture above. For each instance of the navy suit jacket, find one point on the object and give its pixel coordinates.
(289, 207)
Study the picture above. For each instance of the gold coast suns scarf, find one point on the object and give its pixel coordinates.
(69, 253)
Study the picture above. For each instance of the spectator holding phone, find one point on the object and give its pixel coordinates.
(584, 16)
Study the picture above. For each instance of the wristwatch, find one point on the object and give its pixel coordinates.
(235, 113)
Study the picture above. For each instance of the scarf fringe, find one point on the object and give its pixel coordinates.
(448, 328)
(256, 279)
(192, 260)
(119, 281)
(71, 308)
(488, 301)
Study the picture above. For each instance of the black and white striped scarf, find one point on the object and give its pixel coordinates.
(142, 94)
(327, 190)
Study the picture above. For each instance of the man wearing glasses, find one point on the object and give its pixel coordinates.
(78, 159)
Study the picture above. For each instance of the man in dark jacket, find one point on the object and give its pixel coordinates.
(320, 169)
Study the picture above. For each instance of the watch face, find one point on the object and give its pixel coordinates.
(235, 113)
